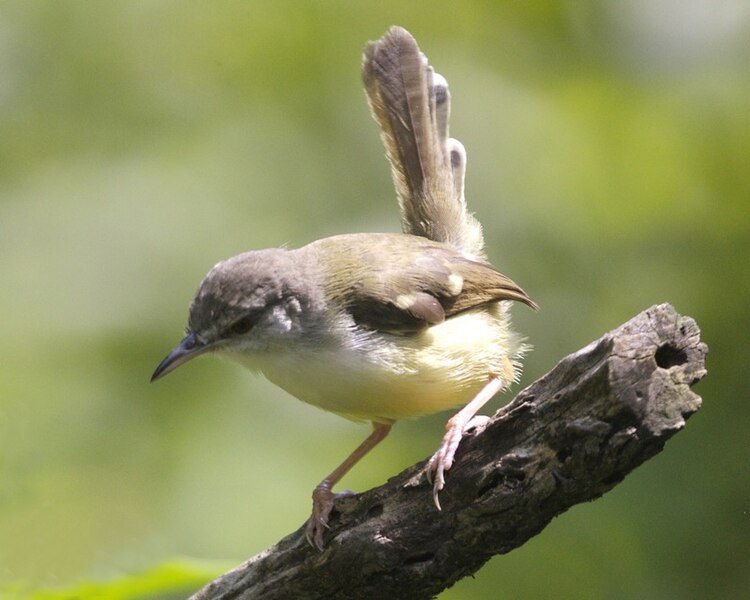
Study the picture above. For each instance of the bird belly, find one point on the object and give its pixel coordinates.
(382, 377)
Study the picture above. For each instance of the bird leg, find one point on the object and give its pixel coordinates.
(442, 460)
(324, 498)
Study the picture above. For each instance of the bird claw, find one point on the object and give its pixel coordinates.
(323, 502)
(442, 460)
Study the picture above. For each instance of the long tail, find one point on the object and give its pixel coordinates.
(411, 104)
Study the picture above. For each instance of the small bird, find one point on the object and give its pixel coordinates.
(376, 326)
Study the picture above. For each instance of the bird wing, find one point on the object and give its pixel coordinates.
(419, 283)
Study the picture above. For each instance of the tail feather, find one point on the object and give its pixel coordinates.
(411, 104)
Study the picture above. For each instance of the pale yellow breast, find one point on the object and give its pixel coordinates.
(382, 377)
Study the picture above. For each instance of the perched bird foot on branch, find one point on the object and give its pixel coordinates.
(323, 502)
(442, 460)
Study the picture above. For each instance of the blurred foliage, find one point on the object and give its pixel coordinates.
(142, 141)
(171, 581)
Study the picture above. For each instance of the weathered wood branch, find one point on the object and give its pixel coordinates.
(568, 438)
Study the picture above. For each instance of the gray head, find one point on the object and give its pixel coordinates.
(244, 303)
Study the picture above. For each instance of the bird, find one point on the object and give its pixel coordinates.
(376, 327)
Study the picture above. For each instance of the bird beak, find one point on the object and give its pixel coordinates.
(188, 348)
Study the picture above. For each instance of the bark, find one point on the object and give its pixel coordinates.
(568, 438)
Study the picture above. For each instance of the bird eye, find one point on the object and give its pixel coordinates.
(243, 325)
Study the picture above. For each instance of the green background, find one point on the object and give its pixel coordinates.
(141, 142)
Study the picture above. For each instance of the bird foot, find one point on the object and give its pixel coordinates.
(323, 502)
(442, 460)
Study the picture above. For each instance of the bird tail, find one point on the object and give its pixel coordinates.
(411, 104)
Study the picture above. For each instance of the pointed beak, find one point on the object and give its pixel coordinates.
(188, 348)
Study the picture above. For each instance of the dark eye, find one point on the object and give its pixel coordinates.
(243, 325)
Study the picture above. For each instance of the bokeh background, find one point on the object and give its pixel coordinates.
(143, 141)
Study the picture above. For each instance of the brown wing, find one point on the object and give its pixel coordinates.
(402, 283)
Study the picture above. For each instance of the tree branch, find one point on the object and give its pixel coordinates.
(568, 438)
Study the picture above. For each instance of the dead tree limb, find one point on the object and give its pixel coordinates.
(568, 438)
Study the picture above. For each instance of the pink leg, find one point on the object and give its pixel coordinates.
(442, 460)
(324, 498)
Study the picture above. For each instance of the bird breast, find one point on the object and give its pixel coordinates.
(383, 377)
